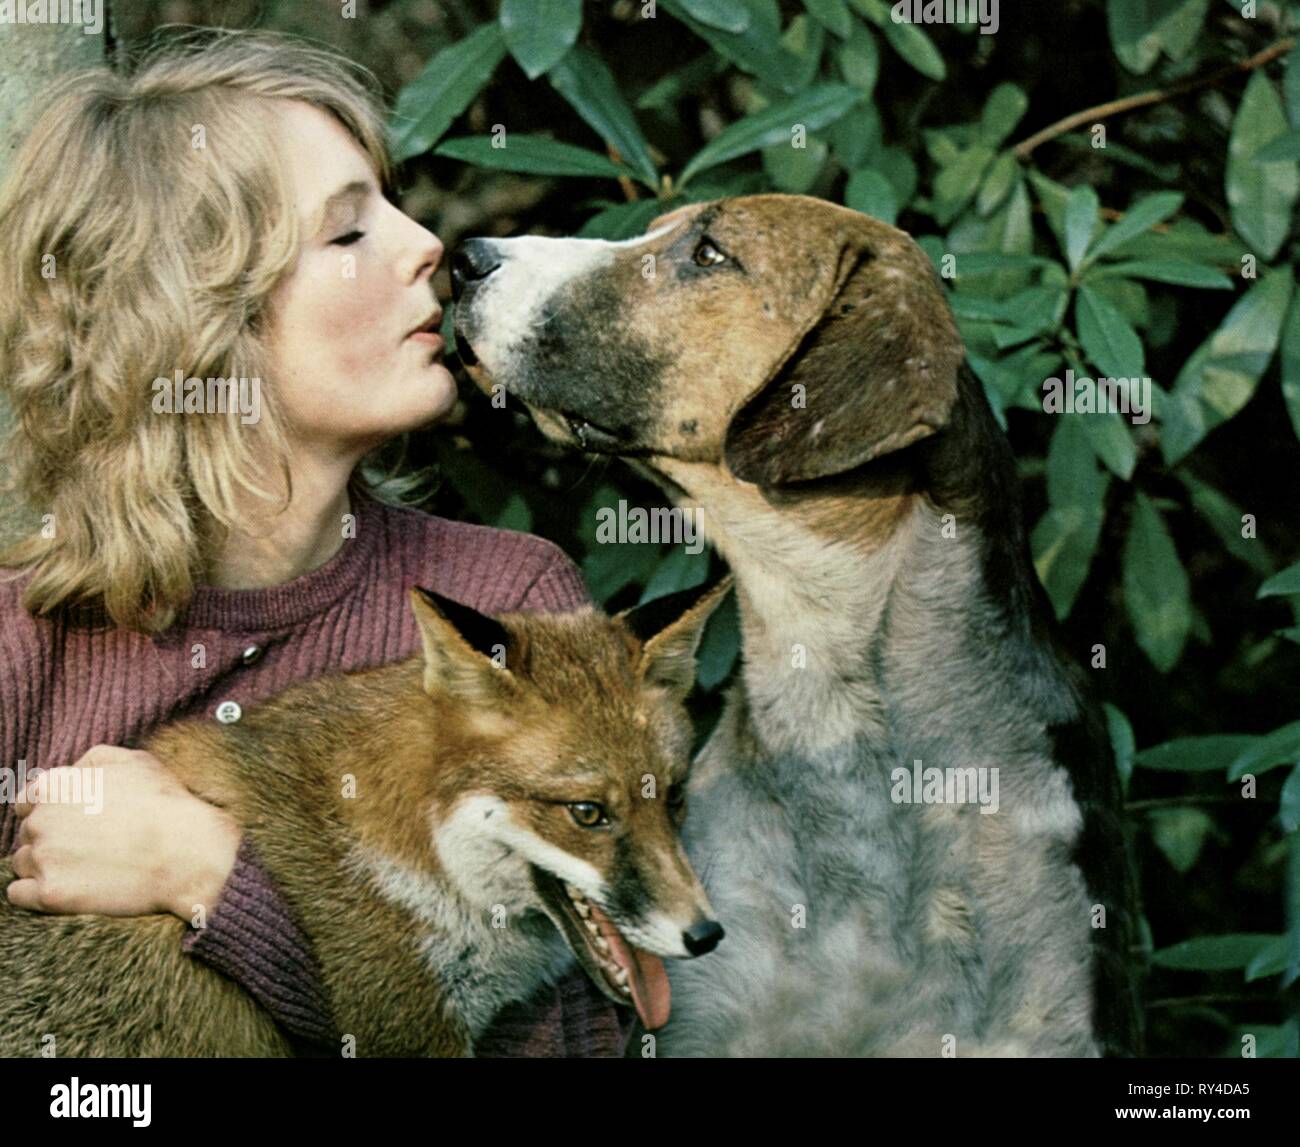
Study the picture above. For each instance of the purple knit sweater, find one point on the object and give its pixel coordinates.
(72, 683)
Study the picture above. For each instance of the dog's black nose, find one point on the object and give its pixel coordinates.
(702, 938)
(472, 260)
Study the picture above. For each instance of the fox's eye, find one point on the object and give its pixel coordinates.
(588, 814)
(708, 254)
(676, 796)
(346, 240)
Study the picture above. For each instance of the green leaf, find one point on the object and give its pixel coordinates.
(1141, 29)
(1142, 216)
(486, 493)
(726, 15)
(1111, 442)
(1177, 272)
(859, 59)
(1065, 539)
(1291, 85)
(1179, 833)
(756, 48)
(1122, 743)
(1284, 149)
(540, 32)
(871, 193)
(622, 220)
(1213, 953)
(805, 39)
(429, 104)
(814, 109)
(533, 154)
(1288, 812)
(1003, 110)
(916, 47)
(956, 184)
(1280, 747)
(1288, 581)
(665, 93)
(583, 79)
(1225, 519)
(679, 570)
(1107, 337)
(1272, 958)
(1209, 754)
(794, 170)
(1290, 356)
(1221, 375)
(1260, 195)
(1156, 590)
(997, 184)
(720, 645)
(834, 15)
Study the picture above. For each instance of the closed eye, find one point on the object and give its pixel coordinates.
(347, 239)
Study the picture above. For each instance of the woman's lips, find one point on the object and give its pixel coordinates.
(429, 338)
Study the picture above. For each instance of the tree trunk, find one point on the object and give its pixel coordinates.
(31, 55)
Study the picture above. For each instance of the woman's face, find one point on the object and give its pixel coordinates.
(347, 369)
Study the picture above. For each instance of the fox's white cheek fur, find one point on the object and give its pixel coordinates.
(656, 933)
(486, 852)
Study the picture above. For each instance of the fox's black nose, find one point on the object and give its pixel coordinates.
(702, 938)
(472, 260)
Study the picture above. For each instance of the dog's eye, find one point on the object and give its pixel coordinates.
(708, 254)
(588, 814)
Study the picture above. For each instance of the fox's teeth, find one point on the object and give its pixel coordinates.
(600, 943)
(620, 977)
(591, 927)
(583, 909)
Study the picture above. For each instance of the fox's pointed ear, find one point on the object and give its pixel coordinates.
(465, 652)
(670, 628)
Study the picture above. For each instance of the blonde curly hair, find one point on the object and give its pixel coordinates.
(146, 220)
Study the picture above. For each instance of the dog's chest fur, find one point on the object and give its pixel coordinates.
(855, 924)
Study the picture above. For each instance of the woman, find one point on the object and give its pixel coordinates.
(220, 215)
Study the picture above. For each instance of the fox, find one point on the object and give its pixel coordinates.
(453, 831)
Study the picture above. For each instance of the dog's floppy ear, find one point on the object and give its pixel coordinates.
(875, 374)
(669, 629)
(465, 652)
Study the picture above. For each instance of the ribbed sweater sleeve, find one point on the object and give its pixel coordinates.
(252, 937)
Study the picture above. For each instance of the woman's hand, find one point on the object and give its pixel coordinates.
(137, 842)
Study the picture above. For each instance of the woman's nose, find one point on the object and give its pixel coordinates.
(474, 259)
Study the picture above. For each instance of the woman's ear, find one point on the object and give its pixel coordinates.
(875, 374)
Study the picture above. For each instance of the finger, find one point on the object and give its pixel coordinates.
(25, 894)
(24, 862)
(33, 792)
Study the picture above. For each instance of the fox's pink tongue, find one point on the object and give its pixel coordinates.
(645, 974)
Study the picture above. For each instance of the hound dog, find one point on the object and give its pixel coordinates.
(791, 368)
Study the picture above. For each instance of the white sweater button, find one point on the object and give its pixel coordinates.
(228, 712)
